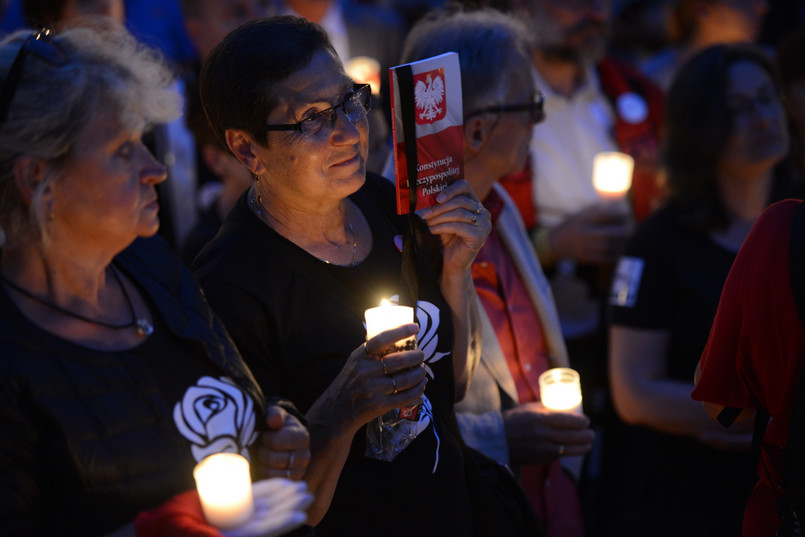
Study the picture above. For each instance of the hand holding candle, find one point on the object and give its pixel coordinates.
(560, 389)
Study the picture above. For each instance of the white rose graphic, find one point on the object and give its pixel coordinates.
(216, 416)
(427, 340)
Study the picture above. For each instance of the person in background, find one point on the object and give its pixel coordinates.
(221, 177)
(217, 197)
(725, 155)
(312, 244)
(501, 414)
(697, 24)
(117, 377)
(753, 358)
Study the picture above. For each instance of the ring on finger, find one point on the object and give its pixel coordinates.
(474, 218)
(385, 369)
(478, 207)
(394, 384)
(291, 459)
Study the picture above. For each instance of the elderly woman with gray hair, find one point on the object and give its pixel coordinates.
(116, 376)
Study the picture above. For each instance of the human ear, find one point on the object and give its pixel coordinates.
(28, 174)
(244, 148)
(476, 133)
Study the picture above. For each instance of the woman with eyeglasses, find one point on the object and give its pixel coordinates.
(308, 248)
(726, 158)
(117, 377)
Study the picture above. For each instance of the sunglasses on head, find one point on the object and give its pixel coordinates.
(41, 45)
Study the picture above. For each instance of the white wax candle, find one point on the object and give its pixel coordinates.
(560, 389)
(225, 489)
(612, 174)
(385, 317)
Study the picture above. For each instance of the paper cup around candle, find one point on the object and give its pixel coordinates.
(225, 490)
(388, 316)
(612, 174)
(560, 389)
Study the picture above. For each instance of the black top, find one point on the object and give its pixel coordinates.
(670, 278)
(92, 437)
(296, 319)
(681, 273)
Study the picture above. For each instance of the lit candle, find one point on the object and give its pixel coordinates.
(225, 489)
(364, 70)
(388, 316)
(612, 174)
(560, 389)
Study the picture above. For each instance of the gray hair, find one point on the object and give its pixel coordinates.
(106, 71)
(492, 47)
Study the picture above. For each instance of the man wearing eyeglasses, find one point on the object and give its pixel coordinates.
(501, 414)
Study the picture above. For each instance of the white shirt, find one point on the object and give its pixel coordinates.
(564, 145)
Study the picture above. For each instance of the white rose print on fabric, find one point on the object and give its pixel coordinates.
(216, 416)
(428, 318)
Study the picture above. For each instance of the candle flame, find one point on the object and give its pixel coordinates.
(385, 302)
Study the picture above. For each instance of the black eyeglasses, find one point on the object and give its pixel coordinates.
(535, 110)
(355, 106)
(39, 43)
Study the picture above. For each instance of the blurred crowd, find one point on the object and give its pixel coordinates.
(706, 96)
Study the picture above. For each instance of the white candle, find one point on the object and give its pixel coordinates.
(612, 174)
(560, 389)
(225, 489)
(387, 316)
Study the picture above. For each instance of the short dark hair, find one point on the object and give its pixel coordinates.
(698, 124)
(239, 74)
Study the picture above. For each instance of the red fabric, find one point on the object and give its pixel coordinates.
(181, 516)
(517, 325)
(757, 344)
(518, 185)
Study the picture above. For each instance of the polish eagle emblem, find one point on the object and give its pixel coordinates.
(429, 98)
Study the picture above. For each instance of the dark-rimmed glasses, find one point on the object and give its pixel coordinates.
(355, 106)
(40, 43)
(535, 110)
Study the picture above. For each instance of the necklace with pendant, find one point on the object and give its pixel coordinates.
(257, 203)
(143, 327)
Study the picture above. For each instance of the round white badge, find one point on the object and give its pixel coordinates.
(632, 108)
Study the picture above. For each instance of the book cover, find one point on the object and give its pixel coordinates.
(426, 95)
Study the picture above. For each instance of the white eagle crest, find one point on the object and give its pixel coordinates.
(429, 96)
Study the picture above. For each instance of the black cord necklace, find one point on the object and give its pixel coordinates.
(142, 325)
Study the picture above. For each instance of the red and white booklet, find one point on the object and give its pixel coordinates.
(427, 125)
